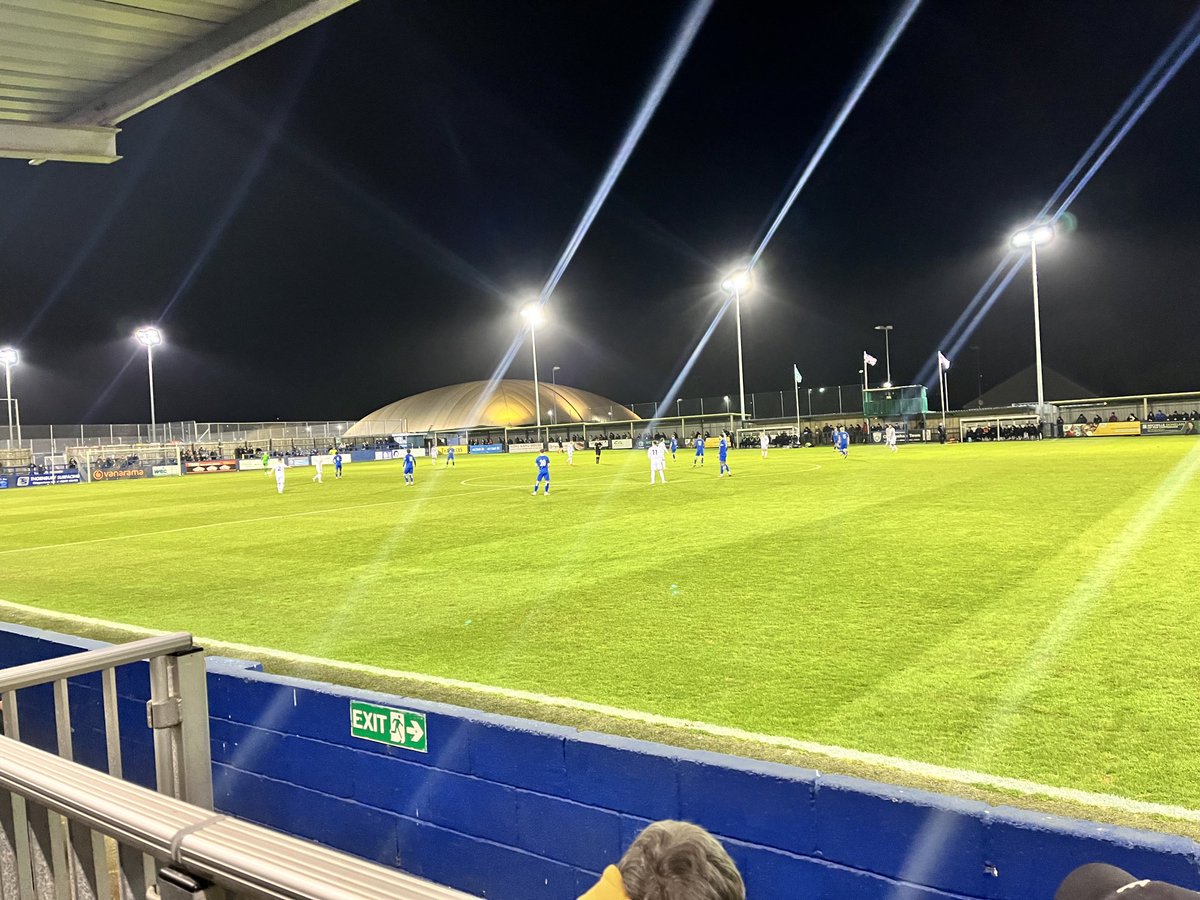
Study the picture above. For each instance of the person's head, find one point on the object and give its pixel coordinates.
(679, 861)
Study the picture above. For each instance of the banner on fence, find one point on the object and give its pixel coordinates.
(524, 448)
(622, 444)
(1185, 427)
(486, 448)
(211, 467)
(7, 481)
(170, 470)
(1114, 429)
(121, 474)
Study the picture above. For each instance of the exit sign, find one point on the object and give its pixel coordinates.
(395, 727)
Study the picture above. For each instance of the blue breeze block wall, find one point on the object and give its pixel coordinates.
(518, 810)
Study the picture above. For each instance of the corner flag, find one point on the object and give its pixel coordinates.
(943, 361)
(869, 359)
(796, 372)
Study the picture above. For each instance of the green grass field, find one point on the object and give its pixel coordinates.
(1025, 609)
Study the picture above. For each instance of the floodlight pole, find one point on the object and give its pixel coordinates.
(150, 370)
(1037, 330)
(737, 303)
(887, 348)
(8, 403)
(537, 400)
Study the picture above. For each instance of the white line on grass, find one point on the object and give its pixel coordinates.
(843, 754)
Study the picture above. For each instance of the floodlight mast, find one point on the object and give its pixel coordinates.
(737, 283)
(150, 337)
(532, 313)
(1033, 237)
(9, 357)
(887, 350)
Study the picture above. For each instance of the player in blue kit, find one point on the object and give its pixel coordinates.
(543, 467)
(674, 444)
(699, 457)
(409, 465)
(841, 442)
(337, 464)
(723, 457)
(450, 458)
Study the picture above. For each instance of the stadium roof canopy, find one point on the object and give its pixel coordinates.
(72, 70)
(468, 406)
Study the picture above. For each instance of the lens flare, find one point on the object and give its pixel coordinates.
(1139, 100)
(662, 80)
(860, 86)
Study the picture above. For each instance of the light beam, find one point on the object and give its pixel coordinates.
(864, 79)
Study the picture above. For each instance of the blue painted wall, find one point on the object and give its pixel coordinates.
(517, 810)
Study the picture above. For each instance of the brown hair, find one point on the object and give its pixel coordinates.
(679, 861)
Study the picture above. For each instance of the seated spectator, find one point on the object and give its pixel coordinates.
(1100, 881)
(671, 861)
(1081, 420)
(1112, 417)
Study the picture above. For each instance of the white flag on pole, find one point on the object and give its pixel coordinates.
(943, 361)
(869, 359)
(796, 372)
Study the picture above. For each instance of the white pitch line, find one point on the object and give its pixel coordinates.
(842, 754)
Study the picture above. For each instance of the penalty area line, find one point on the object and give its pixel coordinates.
(842, 754)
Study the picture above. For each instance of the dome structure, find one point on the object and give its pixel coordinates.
(510, 404)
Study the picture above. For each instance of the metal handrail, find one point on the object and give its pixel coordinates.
(241, 857)
(76, 664)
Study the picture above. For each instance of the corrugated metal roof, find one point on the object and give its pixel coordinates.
(97, 62)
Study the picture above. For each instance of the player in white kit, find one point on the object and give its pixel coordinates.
(280, 469)
(658, 461)
(319, 462)
(889, 437)
(570, 453)
(765, 443)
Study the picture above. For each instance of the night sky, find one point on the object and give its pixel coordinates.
(354, 215)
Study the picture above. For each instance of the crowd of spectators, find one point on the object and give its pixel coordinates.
(1032, 430)
(132, 461)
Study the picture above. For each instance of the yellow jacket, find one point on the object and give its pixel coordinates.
(609, 887)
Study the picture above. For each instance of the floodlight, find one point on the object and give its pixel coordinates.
(148, 336)
(534, 314)
(1035, 235)
(9, 357)
(737, 282)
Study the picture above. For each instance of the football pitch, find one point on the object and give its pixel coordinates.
(1023, 609)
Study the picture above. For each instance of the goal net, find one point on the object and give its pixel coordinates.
(125, 462)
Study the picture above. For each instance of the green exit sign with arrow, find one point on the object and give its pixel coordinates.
(395, 727)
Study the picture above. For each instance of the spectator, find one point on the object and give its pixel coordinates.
(671, 861)
(1112, 417)
(1100, 881)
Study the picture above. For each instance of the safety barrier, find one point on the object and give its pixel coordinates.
(56, 814)
(520, 810)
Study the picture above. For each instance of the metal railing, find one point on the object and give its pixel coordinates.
(70, 831)
(40, 849)
(200, 854)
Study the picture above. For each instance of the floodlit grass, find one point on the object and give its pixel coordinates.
(1020, 609)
